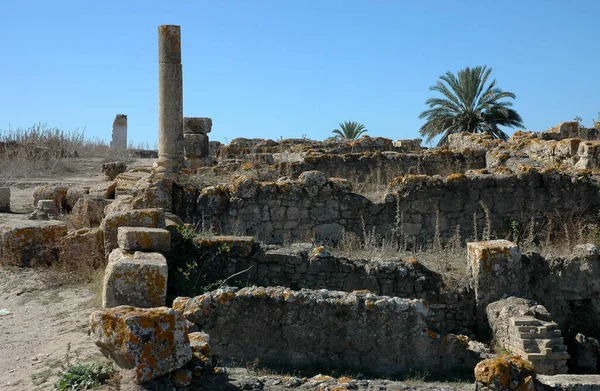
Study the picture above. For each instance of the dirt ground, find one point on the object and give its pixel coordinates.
(44, 318)
(45, 328)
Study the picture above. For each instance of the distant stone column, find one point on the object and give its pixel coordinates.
(170, 100)
(195, 140)
(119, 132)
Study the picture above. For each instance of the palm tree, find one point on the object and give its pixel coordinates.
(350, 130)
(468, 105)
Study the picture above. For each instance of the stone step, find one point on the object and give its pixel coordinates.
(525, 321)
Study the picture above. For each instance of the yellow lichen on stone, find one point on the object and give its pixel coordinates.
(497, 371)
(456, 178)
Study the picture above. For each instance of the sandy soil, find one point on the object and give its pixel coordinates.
(45, 328)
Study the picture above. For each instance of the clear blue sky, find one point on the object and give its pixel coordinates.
(284, 68)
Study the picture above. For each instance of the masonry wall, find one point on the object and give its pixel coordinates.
(415, 206)
(381, 167)
(296, 267)
(324, 330)
(568, 286)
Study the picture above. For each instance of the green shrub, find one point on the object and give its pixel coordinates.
(84, 377)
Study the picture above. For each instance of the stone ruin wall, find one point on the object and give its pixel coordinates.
(567, 286)
(381, 167)
(413, 206)
(310, 329)
(297, 268)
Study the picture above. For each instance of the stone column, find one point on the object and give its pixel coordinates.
(119, 132)
(170, 100)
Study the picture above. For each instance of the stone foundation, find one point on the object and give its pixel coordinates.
(325, 329)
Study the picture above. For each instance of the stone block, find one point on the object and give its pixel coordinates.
(45, 210)
(505, 373)
(112, 169)
(195, 145)
(88, 212)
(496, 269)
(56, 193)
(200, 344)
(138, 279)
(150, 218)
(146, 343)
(31, 243)
(4, 199)
(197, 125)
(144, 239)
(74, 194)
(106, 190)
(83, 246)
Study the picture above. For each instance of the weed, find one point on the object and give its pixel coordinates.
(487, 230)
(437, 244)
(42, 376)
(84, 376)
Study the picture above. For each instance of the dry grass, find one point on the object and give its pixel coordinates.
(40, 150)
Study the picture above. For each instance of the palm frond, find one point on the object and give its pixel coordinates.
(469, 103)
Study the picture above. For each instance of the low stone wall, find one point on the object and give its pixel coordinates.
(381, 167)
(325, 330)
(297, 267)
(414, 205)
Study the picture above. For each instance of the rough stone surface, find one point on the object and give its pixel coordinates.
(56, 193)
(144, 239)
(200, 344)
(147, 343)
(45, 210)
(151, 218)
(274, 211)
(84, 246)
(88, 212)
(31, 243)
(74, 194)
(526, 329)
(584, 354)
(197, 125)
(336, 330)
(4, 199)
(104, 190)
(112, 169)
(295, 266)
(119, 132)
(505, 373)
(569, 382)
(495, 270)
(137, 279)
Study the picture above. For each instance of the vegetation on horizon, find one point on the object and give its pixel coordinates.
(469, 104)
(349, 130)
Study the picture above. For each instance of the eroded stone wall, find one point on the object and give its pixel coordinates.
(380, 167)
(568, 286)
(324, 329)
(297, 267)
(413, 206)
